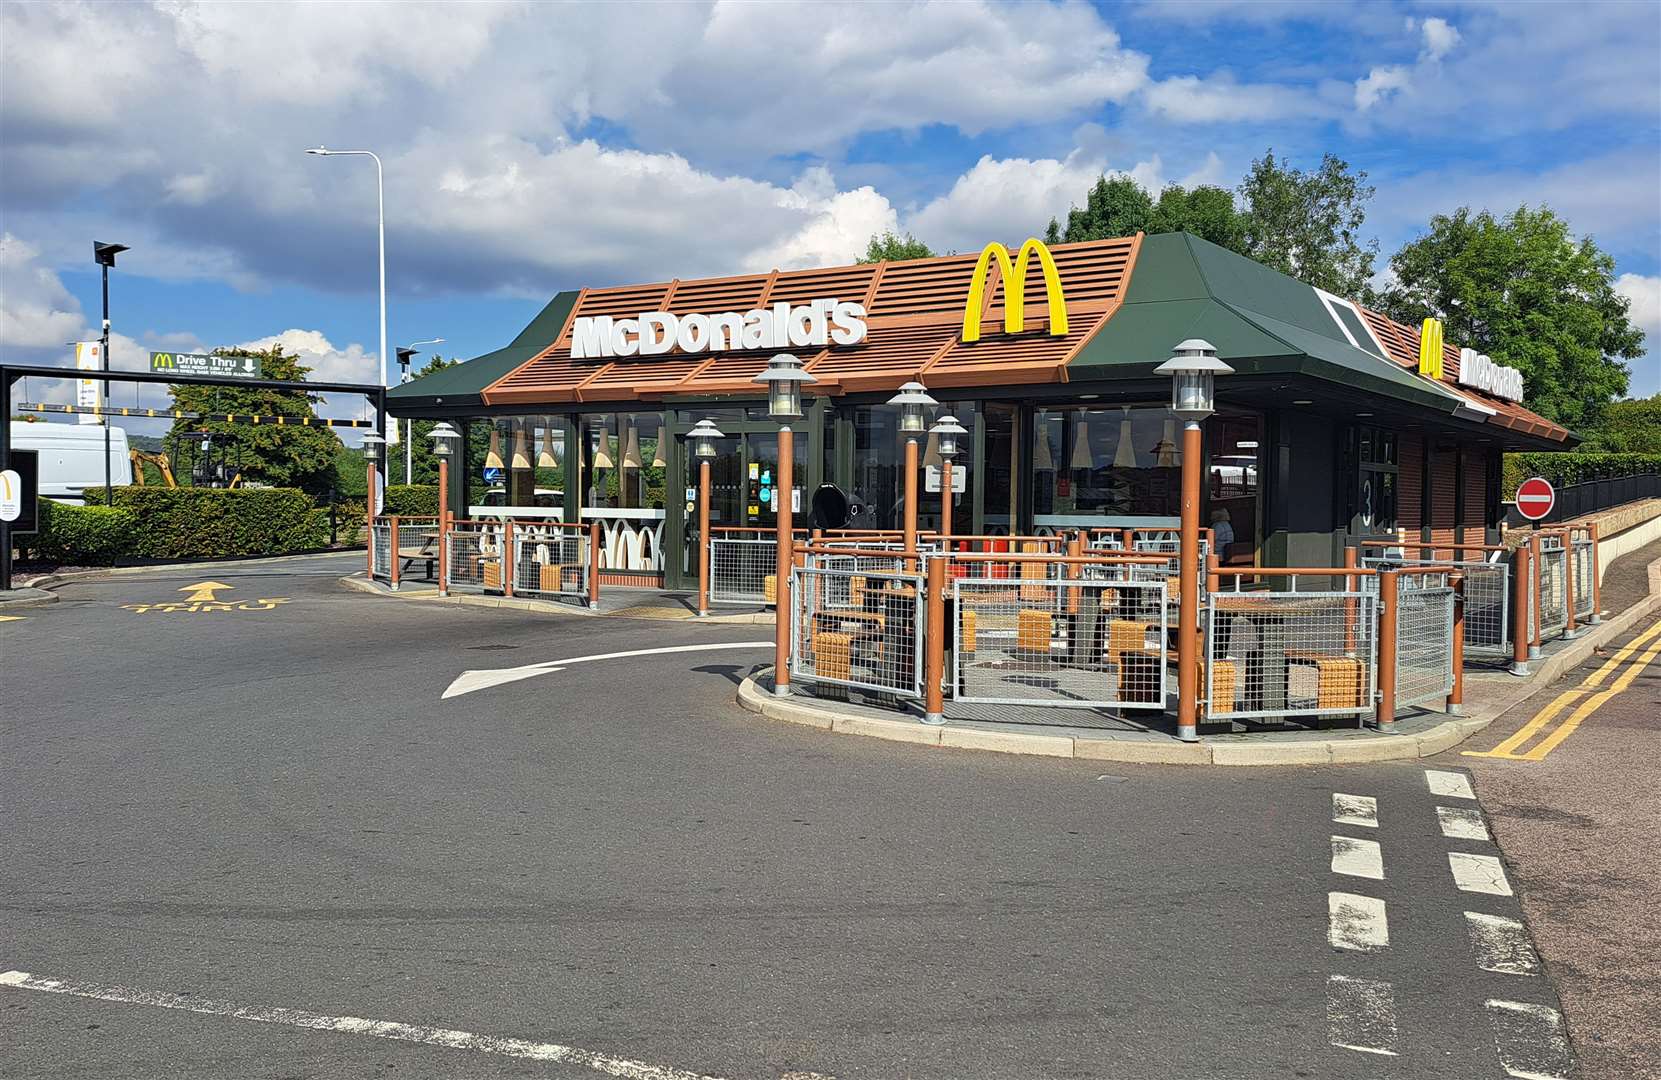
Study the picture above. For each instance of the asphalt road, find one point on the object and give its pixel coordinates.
(269, 815)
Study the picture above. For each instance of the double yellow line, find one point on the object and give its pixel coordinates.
(1586, 707)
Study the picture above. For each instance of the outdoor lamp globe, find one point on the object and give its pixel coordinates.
(784, 378)
(912, 399)
(444, 437)
(946, 430)
(703, 436)
(1193, 370)
(372, 444)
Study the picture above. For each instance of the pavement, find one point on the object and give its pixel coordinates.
(259, 824)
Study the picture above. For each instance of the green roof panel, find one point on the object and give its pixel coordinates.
(465, 383)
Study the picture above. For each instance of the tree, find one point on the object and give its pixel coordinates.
(1523, 290)
(1629, 427)
(1307, 224)
(1114, 206)
(892, 247)
(424, 462)
(1206, 211)
(265, 453)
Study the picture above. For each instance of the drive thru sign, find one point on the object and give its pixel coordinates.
(1535, 498)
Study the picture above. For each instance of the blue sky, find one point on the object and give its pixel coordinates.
(531, 148)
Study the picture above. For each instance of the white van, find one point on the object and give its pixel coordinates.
(72, 456)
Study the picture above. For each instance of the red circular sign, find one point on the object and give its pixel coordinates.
(1535, 498)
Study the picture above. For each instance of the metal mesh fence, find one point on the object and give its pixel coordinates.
(550, 562)
(417, 549)
(1424, 639)
(474, 551)
(380, 550)
(1060, 641)
(1487, 600)
(1583, 562)
(742, 569)
(1554, 568)
(857, 629)
(1275, 654)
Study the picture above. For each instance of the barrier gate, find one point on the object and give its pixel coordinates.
(1424, 639)
(550, 561)
(1488, 600)
(739, 568)
(380, 550)
(1277, 654)
(858, 629)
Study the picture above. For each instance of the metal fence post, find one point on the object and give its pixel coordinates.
(1456, 697)
(1522, 574)
(1597, 589)
(1350, 555)
(391, 551)
(510, 564)
(443, 553)
(1388, 598)
(1568, 584)
(594, 566)
(1539, 611)
(934, 645)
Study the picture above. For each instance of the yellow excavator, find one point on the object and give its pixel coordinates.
(163, 466)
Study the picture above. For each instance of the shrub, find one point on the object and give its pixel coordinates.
(1565, 469)
(414, 500)
(193, 523)
(84, 535)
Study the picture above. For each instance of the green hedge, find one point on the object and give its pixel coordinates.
(1565, 469)
(83, 535)
(414, 500)
(193, 523)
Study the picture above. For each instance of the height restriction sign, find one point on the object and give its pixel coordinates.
(1535, 498)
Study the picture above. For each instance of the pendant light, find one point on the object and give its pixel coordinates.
(521, 446)
(1081, 457)
(658, 461)
(493, 457)
(1041, 461)
(547, 459)
(1167, 448)
(602, 451)
(1124, 457)
(631, 446)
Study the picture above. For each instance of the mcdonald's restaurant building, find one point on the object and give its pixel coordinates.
(1336, 422)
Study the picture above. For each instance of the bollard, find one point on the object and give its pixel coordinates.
(392, 551)
(1534, 601)
(1388, 581)
(508, 561)
(1568, 585)
(1597, 591)
(1520, 573)
(594, 566)
(1456, 696)
(369, 519)
(934, 645)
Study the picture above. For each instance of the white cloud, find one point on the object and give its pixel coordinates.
(36, 311)
(1005, 198)
(1220, 99)
(1440, 38)
(1378, 83)
(1644, 291)
(328, 362)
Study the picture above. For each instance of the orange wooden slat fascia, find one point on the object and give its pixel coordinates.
(767, 289)
(625, 392)
(485, 395)
(871, 289)
(1008, 375)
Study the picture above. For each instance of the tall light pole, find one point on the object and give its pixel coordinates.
(912, 399)
(444, 438)
(405, 352)
(1193, 371)
(702, 437)
(784, 378)
(104, 255)
(946, 431)
(380, 219)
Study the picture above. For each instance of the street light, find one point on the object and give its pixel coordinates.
(1193, 370)
(784, 378)
(380, 215)
(702, 437)
(405, 353)
(444, 438)
(912, 400)
(945, 431)
(104, 255)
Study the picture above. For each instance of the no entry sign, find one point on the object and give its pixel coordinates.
(1535, 498)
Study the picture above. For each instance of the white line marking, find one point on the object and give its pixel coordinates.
(1532, 1041)
(1459, 823)
(1356, 922)
(1501, 945)
(1357, 858)
(1355, 810)
(1361, 1015)
(353, 1025)
(1452, 784)
(469, 681)
(1478, 873)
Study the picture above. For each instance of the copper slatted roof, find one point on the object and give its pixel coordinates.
(1402, 343)
(914, 320)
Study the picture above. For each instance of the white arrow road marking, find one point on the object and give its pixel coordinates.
(469, 681)
(353, 1025)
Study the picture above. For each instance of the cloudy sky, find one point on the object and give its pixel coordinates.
(533, 147)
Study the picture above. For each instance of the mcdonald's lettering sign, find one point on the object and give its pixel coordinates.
(1430, 349)
(1014, 276)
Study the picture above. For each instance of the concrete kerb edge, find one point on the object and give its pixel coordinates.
(26, 596)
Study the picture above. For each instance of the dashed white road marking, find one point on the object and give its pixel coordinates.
(1357, 858)
(1532, 1041)
(1451, 784)
(1501, 945)
(1355, 810)
(1478, 873)
(381, 1029)
(469, 681)
(1361, 1014)
(1460, 823)
(1356, 922)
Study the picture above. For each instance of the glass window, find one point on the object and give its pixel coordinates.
(1106, 463)
(878, 455)
(1000, 511)
(1232, 485)
(516, 461)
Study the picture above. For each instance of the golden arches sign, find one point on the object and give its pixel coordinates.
(1014, 276)
(1430, 349)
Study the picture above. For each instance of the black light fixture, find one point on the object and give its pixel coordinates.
(104, 254)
